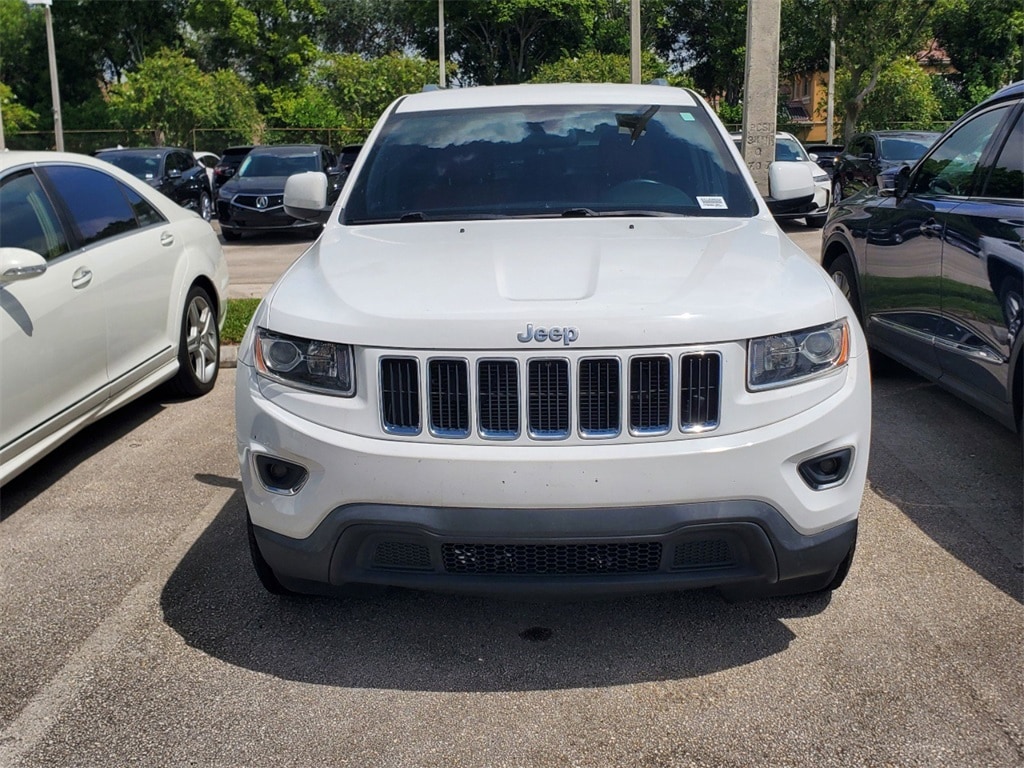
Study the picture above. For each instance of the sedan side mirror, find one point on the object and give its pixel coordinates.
(305, 196)
(20, 264)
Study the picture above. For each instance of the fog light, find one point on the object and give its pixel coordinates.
(280, 476)
(827, 470)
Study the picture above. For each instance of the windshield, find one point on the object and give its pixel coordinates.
(140, 166)
(906, 147)
(789, 149)
(278, 165)
(549, 160)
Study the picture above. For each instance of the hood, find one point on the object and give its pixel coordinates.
(618, 282)
(254, 185)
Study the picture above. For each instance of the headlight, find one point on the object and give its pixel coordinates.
(788, 358)
(319, 366)
(820, 177)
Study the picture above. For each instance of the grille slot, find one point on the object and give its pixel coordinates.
(556, 559)
(705, 553)
(548, 407)
(402, 555)
(599, 397)
(650, 401)
(498, 398)
(700, 383)
(399, 395)
(449, 398)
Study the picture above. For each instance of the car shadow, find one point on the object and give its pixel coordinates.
(91, 440)
(407, 640)
(955, 473)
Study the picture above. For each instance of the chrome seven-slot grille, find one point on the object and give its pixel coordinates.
(599, 397)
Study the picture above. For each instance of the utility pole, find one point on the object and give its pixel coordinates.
(440, 43)
(634, 41)
(831, 112)
(761, 88)
(58, 129)
(3, 145)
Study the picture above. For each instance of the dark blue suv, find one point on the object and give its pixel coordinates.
(933, 267)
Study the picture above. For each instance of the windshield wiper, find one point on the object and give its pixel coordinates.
(572, 213)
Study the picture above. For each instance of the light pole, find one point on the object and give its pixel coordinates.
(634, 41)
(58, 129)
(440, 43)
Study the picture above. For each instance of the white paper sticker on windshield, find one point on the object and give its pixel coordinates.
(712, 202)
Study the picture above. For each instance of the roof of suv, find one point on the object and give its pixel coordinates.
(533, 94)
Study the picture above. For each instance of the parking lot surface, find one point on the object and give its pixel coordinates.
(135, 631)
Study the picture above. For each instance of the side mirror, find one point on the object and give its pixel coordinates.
(20, 264)
(813, 156)
(305, 196)
(789, 181)
(174, 173)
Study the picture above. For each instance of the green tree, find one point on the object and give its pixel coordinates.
(984, 41)
(346, 93)
(902, 98)
(16, 117)
(270, 43)
(870, 36)
(171, 97)
(593, 67)
(370, 28)
(97, 42)
(504, 41)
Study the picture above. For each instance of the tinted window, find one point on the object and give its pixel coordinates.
(950, 168)
(146, 214)
(1007, 177)
(906, 149)
(140, 165)
(97, 204)
(547, 160)
(279, 165)
(177, 161)
(29, 219)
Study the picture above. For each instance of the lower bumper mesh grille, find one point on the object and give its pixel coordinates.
(568, 559)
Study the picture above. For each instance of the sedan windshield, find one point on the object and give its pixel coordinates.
(141, 166)
(549, 160)
(278, 165)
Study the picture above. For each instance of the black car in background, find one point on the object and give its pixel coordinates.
(230, 159)
(171, 170)
(868, 155)
(825, 155)
(934, 267)
(253, 199)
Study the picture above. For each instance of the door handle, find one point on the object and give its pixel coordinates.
(931, 228)
(166, 238)
(81, 278)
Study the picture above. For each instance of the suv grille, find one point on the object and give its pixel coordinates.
(553, 398)
(628, 557)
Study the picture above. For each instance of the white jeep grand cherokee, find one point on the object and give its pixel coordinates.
(551, 339)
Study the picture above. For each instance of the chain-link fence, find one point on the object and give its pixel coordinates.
(206, 139)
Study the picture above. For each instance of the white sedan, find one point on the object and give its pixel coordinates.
(107, 289)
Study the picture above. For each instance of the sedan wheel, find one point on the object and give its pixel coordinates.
(205, 207)
(199, 346)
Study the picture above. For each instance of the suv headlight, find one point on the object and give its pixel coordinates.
(318, 366)
(788, 358)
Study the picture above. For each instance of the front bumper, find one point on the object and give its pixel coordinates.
(710, 511)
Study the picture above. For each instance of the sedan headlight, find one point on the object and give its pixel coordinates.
(318, 366)
(788, 358)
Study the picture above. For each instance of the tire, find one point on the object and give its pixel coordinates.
(844, 275)
(205, 207)
(263, 570)
(230, 234)
(198, 345)
(817, 221)
(837, 191)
